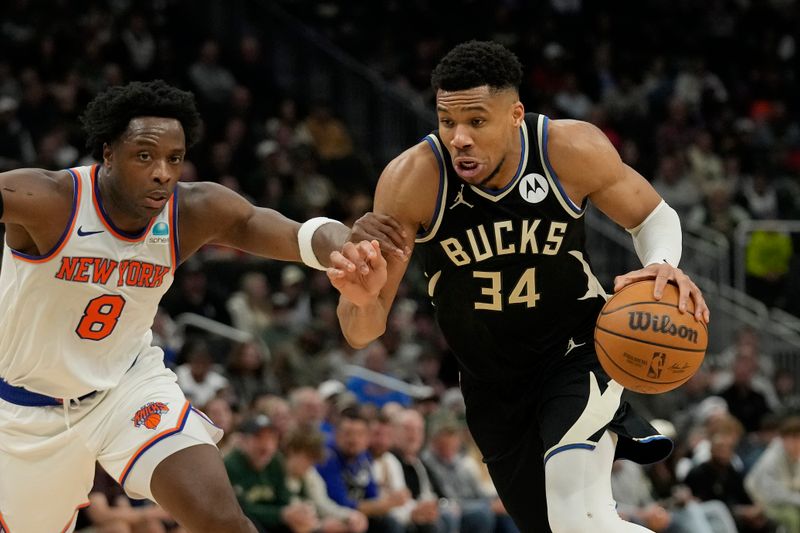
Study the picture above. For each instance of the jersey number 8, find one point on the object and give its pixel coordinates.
(100, 317)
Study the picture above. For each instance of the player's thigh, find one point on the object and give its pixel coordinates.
(193, 486)
(46, 471)
(520, 483)
(149, 419)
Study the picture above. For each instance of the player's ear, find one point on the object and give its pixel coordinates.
(518, 113)
(108, 155)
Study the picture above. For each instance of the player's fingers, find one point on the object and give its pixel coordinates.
(686, 290)
(376, 260)
(624, 280)
(664, 275)
(701, 311)
(365, 254)
(339, 261)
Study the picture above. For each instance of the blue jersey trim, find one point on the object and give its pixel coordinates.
(175, 227)
(26, 398)
(440, 162)
(495, 192)
(576, 446)
(96, 192)
(578, 210)
(54, 249)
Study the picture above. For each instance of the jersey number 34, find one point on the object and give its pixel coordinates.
(524, 291)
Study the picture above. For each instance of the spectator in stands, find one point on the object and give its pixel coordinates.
(745, 402)
(717, 211)
(635, 503)
(348, 475)
(718, 479)
(386, 469)
(426, 510)
(459, 481)
(674, 186)
(197, 377)
(277, 409)
(191, 293)
(250, 307)
(258, 476)
(246, 372)
(304, 448)
(307, 408)
(774, 481)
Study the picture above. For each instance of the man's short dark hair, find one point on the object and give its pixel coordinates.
(477, 63)
(108, 115)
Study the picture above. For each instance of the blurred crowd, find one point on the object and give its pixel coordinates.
(699, 96)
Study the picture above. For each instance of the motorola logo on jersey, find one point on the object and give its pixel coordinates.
(533, 188)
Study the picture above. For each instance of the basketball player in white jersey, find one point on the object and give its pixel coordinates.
(89, 252)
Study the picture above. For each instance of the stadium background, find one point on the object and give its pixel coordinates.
(304, 101)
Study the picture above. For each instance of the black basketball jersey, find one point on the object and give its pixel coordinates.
(507, 269)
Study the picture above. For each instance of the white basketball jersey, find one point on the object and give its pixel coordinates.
(74, 320)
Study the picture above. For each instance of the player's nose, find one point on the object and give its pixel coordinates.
(461, 138)
(160, 171)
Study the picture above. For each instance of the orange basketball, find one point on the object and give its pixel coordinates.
(646, 345)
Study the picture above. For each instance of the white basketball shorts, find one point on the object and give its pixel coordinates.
(48, 454)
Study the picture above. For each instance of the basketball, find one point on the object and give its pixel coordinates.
(647, 345)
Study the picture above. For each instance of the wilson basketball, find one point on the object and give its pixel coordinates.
(646, 345)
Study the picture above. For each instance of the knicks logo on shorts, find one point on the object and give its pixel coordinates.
(149, 415)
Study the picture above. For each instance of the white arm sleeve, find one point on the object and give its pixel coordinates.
(658, 238)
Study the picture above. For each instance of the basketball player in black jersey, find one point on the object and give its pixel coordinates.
(496, 199)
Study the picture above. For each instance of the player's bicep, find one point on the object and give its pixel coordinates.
(30, 195)
(256, 230)
(628, 199)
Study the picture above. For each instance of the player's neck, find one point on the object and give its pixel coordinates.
(115, 207)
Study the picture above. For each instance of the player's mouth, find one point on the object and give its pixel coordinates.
(467, 167)
(156, 200)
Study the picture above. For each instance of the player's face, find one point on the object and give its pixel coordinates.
(480, 129)
(145, 164)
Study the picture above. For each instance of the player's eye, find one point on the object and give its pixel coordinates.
(446, 122)
(143, 156)
(175, 159)
(476, 122)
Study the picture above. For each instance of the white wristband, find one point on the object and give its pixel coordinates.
(304, 236)
(658, 238)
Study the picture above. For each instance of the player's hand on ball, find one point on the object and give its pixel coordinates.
(664, 273)
(384, 229)
(358, 271)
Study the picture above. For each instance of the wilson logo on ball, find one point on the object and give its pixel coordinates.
(643, 321)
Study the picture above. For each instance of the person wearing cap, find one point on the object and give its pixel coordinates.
(258, 476)
(348, 475)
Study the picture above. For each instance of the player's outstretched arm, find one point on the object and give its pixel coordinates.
(588, 166)
(407, 192)
(29, 196)
(213, 214)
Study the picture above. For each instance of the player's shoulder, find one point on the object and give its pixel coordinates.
(43, 185)
(575, 146)
(575, 136)
(199, 195)
(415, 167)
